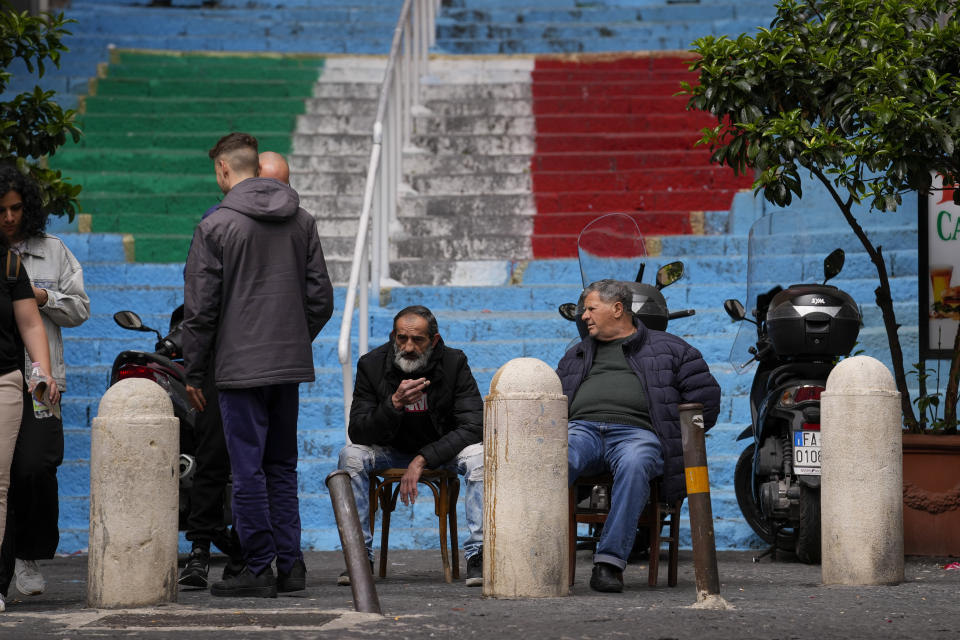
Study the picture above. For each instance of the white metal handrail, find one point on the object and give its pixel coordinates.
(392, 129)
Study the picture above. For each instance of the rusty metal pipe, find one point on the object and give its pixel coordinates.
(351, 539)
(698, 500)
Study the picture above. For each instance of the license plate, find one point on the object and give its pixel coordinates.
(806, 452)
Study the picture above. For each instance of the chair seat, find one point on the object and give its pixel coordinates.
(655, 514)
(445, 486)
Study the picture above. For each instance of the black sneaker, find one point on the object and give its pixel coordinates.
(296, 580)
(344, 578)
(475, 570)
(194, 574)
(247, 585)
(606, 578)
(233, 568)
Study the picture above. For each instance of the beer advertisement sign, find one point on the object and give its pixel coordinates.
(939, 271)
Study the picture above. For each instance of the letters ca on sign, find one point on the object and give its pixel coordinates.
(940, 270)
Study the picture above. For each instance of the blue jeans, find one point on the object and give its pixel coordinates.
(260, 428)
(634, 458)
(360, 461)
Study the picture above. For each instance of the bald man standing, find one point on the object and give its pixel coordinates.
(272, 165)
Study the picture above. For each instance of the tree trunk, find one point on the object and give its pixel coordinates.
(884, 301)
(950, 398)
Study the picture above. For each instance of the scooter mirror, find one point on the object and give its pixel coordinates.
(734, 309)
(130, 320)
(832, 264)
(669, 273)
(569, 311)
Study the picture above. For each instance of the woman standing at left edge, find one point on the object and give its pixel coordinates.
(32, 531)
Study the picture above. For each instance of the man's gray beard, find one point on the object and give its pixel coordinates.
(409, 366)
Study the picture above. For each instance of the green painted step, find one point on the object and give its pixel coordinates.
(158, 247)
(147, 223)
(132, 59)
(158, 161)
(175, 203)
(202, 87)
(190, 142)
(213, 71)
(224, 106)
(136, 180)
(93, 123)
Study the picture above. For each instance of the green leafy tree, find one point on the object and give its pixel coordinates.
(32, 125)
(862, 96)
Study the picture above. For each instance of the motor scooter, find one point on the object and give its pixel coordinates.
(164, 365)
(795, 337)
(612, 247)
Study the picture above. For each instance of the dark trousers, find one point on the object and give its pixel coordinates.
(206, 522)
(260, 425)
(33, 506)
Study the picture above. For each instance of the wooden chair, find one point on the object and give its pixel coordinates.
(445, 486)
(654, 516)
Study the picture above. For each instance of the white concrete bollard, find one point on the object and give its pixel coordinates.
(134, 450)
(861, 491)
(525, 526)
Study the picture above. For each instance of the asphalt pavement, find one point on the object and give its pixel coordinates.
(768, 600)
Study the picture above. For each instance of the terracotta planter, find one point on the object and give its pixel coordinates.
(931, 495)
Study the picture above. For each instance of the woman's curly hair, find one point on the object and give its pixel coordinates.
(34, 219)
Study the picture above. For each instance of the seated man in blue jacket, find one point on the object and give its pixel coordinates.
(416, 405)
(623, 383)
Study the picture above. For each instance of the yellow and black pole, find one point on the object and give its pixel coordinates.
(698, 500)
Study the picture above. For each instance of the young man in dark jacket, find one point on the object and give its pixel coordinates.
(623, 384)
(256, 288)
(416, 405)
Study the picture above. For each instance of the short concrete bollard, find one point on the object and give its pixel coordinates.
(525, 518)
(134, 449)
(861, 491)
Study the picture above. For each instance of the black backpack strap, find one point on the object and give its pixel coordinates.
(12, 273)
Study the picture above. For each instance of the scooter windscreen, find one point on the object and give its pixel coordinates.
(784, 250)
(610, 247)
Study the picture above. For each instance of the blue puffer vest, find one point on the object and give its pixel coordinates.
(672, 372)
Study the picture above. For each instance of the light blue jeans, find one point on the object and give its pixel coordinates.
(360, 461)
(634, 457)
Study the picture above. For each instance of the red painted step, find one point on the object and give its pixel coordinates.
(705, 199)
(673, 178)
(586, 142)
(637, 103)
(613, 136)
(649, 223)
(599, 88)
(599, 63)
(622, 123)
(619, 160)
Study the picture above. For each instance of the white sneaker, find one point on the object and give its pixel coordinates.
(30, 581)
(3, 605)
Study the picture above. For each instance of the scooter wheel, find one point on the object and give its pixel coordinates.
(808, 531)
(743, 485)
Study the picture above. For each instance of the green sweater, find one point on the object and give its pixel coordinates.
(611, 392)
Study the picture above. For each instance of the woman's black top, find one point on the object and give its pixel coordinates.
(15, 286)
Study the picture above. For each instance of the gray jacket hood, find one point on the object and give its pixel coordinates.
(263, 199)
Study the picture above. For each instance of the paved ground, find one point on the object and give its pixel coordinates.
(770, 600)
